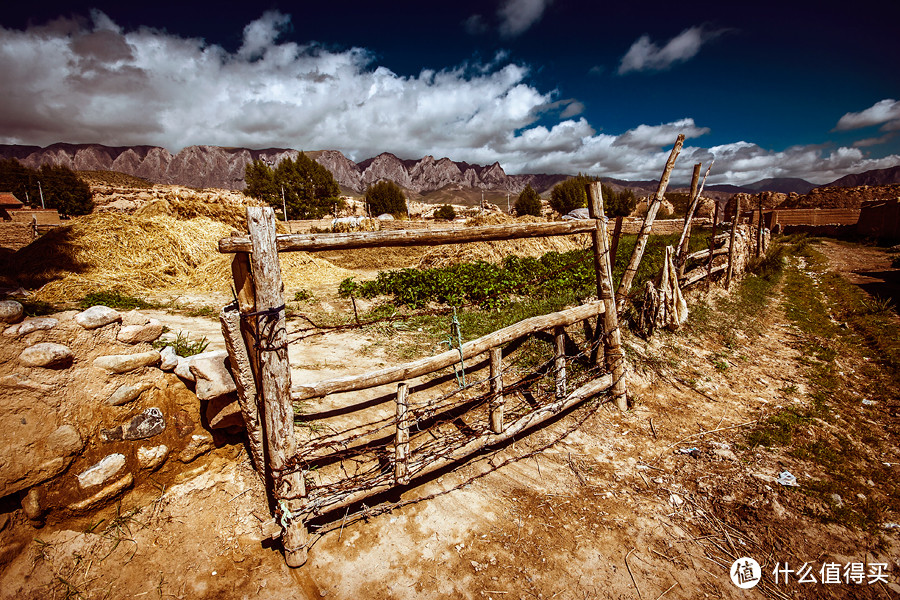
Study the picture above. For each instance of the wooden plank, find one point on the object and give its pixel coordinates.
(644, 234)
(614, 244)
(559, 333)
(401, 441)
(497, 401)
(712, 240)
(698, 274)
(612, 336)
(340, 500)
(431, 364)
(685, 241)
(275, 382)
(411, 237)
(734, 226)
(705, 253)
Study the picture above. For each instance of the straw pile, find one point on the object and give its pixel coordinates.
(496, 251)
(143, 255)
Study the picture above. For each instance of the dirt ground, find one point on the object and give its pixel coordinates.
(869, 267)
(655, 502)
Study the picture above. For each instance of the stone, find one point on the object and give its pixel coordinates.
(145, 425)
(11, 311)
(31, 325)
(101, 472)
(31, 504)
(224, 412)
(168, 360)
(152, 457)
(135, 334)
(20, 381)
(183, 423)
(123, 363)
(199, 444)
(97, 316)
(110, 491)
(212, 376)
(47, 355)
(134, 317)
(127, 393)
(183, 369)
(36, 456)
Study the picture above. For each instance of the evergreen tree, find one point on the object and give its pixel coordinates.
(62, 188)
(310, 190)
(528, 202)
(385, 197)
(568, 195)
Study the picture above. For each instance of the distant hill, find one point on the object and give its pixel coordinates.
(873, 177)
(784, 185)
(731, 189)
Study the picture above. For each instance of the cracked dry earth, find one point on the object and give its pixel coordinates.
(652, 503)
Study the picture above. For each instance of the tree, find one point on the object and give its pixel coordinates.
(61, 187)
(310, 190)
(385, 197)
(617, 204)
(568, 195)
(445, 213)
(528, 202)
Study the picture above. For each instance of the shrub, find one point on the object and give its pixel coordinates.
(528, 202)
(386, 197)
(445, 213)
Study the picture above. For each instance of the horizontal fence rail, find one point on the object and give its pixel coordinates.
(432, 237)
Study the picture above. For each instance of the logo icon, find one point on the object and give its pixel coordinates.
(745, 573)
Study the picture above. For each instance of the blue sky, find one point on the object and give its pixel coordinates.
(772, 89)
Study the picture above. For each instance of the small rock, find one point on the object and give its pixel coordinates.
(145, 425)
(134, 317)
(102, 471)
(11, 311)
(183, 369)
(127, 393)
(135, 334)
(212, 376)
(199, 444)
(224, 412)
(861, 497)
(97, 316)
(725, 454)
(838, 501)
(31, 504)
(48, 355)
(152, 457)
(110, 491)
(676, 500)
(123, 363)
(183, 423)
(168, 360)
(30, 325)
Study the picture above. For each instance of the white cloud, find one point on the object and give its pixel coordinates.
(644, 55)
(868, 142)
(885, 111)
(517, 16)
(91, 81)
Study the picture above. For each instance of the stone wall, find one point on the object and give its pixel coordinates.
(14, 236)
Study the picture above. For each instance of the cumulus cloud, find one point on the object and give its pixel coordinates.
(517, 16)
(644, 55)
(886, 111)
(91, 81)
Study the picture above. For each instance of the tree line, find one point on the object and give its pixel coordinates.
(60, 187)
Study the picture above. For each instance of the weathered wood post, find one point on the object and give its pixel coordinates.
(614, 244)
(734, 225)
(559, 333)
(759, 228)
(712, 244)
(401, 441)
(638, 253)
(288, 486)
(497, 400)
(239, 341)
(685, 241)
(612, 337)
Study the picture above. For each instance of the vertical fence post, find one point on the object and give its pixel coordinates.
(497, 400)
(401, 440)
(759, 228)
(614, 244)
(612, 337)
(559, 332)
(734, 224)
(288, 486)
(638, 253)
(712, 244)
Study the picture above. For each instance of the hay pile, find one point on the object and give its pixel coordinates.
(496, 251)
(141, 256)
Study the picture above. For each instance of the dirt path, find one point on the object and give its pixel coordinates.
(868, 267)
(651, 503)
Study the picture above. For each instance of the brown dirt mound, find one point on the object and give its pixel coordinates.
(440, 256)
(141, 255)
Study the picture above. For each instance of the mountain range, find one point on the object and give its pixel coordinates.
(427, 178)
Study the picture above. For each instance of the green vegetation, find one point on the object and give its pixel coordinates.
(385, 197)
(62, 189)
(183, 345)
(445, 213)
(114, 299)
(569, 195)
(528, 202)
(309, 189)
(303, 295)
